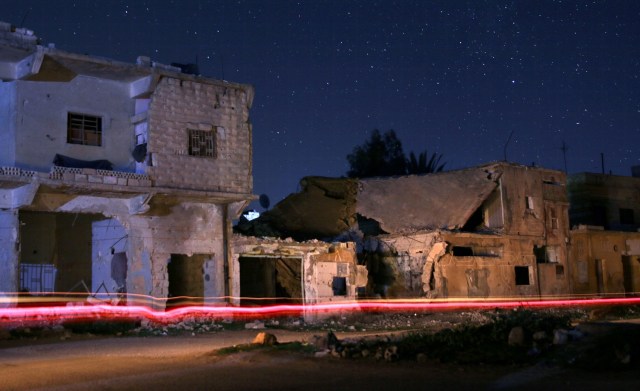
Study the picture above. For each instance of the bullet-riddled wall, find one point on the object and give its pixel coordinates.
(189, 229)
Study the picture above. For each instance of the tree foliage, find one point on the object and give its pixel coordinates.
(382, 155)
(422, 166)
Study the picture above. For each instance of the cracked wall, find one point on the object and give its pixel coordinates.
(325, 268)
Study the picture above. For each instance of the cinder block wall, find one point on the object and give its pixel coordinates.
(189, 229)
(179, 105)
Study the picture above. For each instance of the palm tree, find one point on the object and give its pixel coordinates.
(421, 166)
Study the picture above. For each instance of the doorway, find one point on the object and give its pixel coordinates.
(270, 280)
(600, 276)
(627, 275)
(186, 279)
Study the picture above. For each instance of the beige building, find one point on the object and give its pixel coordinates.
(117, 177)
(605, 242)
(497, 230)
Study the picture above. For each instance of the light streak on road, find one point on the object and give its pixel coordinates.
(38, 310)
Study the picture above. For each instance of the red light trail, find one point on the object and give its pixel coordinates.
(55, 311)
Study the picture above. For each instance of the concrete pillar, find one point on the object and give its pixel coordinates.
(9, 256)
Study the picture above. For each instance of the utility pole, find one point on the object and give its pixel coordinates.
(564, 150)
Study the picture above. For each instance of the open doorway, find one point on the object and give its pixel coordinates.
(56, 253)
(270, 280)
(600, 265)
(186, 279)
(627, 274)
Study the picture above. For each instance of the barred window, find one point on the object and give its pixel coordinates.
(84, 129)
(202, 143)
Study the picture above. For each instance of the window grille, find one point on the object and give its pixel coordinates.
(202, 143)
(37, 278)
(84, 129)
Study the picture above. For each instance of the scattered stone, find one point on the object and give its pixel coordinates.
(365, 353)
(391, 353)
(4, 334)
(266, 339)
(516, 336)
(560, 337)
(539, 336)
(421, 358)
(575, 335)
(322, 353)
(623, 354)
(255, 325)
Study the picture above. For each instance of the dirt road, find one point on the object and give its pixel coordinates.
(190, 363)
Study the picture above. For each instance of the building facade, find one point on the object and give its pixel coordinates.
(117, 178)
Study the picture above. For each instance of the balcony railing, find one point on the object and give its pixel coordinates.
(82, 175)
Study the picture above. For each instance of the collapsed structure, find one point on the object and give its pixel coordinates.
(497, 230)
(605, 243)
(123, 180)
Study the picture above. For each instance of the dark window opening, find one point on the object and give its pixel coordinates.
(461, 251)
(553, 217)
(202, 143)
(626, 216)
(475, 222)
(84, 129)
(541, 254)
(529, 202)
(559, 272)
(369, 227)
(522, 275)
(599, 215)
(339, 286)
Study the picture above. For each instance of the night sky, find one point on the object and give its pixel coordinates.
(453, 77)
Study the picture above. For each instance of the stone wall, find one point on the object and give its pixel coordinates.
(188, 229)
(179, 105)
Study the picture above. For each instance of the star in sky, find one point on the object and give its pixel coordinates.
(453, 77)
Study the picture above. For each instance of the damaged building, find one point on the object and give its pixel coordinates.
(496, 230)
(117, 178)
(605, 242)
(272, 271)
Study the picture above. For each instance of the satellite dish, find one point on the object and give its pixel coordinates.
(264, 201)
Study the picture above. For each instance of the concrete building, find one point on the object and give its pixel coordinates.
(605, 241)
(117, 177)
(271, 271)
(497, 230)
(608, 201)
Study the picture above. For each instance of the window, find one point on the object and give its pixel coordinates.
(541, 254)
(202, 143)
(462, 251)
(529, 204)
(553, 217)
(339, 286)
(522, 275)
(626, 216)
(84, 129)
(559, 272)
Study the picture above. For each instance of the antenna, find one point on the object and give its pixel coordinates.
(24, 18)
(564, 148)
(506, 144)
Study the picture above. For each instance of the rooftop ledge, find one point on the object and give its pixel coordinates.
(82, 175)
(117, 181)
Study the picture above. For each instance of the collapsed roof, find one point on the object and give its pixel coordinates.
(328, 207)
